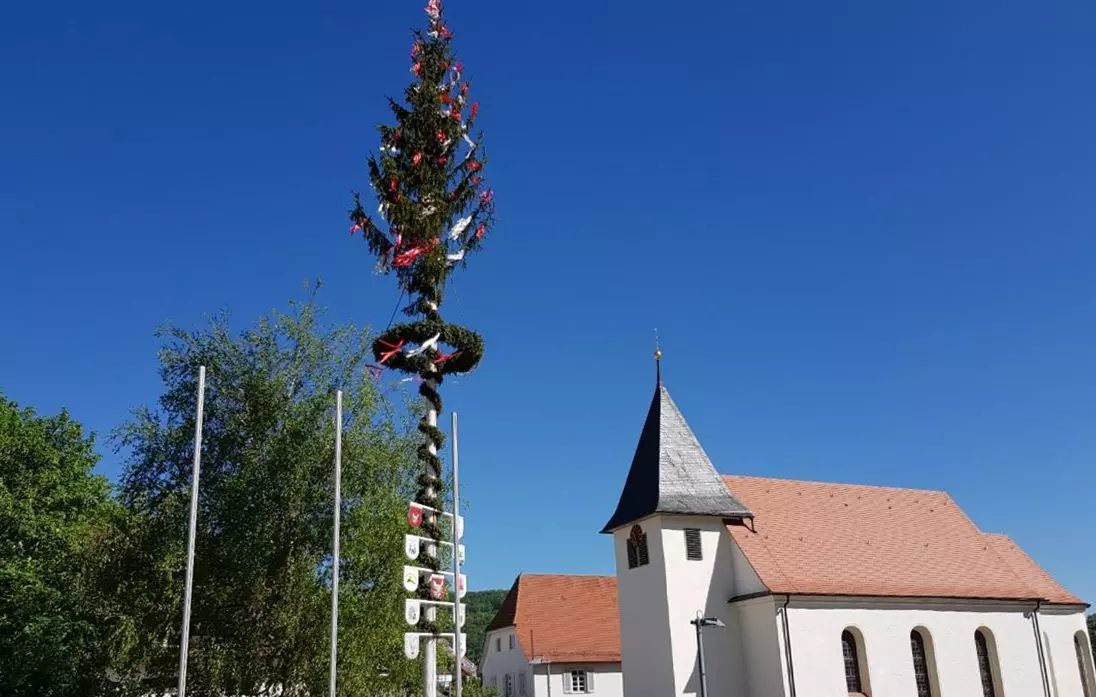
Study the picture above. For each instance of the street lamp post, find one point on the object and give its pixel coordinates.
(700, 623)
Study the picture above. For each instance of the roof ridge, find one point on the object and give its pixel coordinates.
(858, 486)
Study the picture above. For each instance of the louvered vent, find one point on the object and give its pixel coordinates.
(692, 544)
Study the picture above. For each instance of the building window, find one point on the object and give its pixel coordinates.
(509, 683)
(692, 544)
(521, 683)
(578, 682)
(637, 548)
(498, 644)
(987, 659)
(920, 664)
(850, 650)
(1084, 664)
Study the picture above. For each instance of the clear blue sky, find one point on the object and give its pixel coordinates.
(865, 230)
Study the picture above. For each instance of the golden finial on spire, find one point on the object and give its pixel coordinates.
(658, 359)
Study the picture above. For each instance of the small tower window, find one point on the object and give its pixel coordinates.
(637, 548)
(692, 545)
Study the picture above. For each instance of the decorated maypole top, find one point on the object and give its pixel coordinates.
(434, 211)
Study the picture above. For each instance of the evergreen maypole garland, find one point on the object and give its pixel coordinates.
(434, 210)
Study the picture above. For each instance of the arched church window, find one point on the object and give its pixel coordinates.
(637, 548)
(850, 650)
(1084, 664)
(988, 670)
(923, 670)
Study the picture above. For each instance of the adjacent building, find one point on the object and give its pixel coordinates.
(555, 635)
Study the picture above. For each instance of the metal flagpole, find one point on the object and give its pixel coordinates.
(457, 670)
(184, 643)
(335, 554)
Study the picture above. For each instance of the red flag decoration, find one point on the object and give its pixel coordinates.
(408, 257)
(393, 349)
(443, 357)
(414, 515)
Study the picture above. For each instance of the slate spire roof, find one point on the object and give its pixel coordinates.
(671, 473)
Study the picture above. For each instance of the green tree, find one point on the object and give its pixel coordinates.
(480, 608)
(261, 605)
(58, 628)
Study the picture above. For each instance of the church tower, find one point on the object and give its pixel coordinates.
(674, 559)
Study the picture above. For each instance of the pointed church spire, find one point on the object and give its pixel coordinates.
(670, 471)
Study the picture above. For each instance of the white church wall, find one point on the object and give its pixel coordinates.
(761, 647)
(816, 626)
(604, 679)
(644, 633)
(703, 585)
(1059, 626)
(746, 580)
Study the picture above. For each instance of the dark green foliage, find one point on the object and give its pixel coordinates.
(482, 606)
(261, 605)
(59, 629)
(1092, 630)
(426, 177)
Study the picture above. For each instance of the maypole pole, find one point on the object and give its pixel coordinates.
(434, 211)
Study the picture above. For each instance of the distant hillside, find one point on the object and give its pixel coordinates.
(481, 607)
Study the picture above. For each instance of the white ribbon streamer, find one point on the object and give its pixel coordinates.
(459, 227)
(430, 343)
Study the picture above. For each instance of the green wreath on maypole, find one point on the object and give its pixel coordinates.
(434, 210)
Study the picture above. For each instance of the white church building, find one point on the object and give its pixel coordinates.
(810, 590)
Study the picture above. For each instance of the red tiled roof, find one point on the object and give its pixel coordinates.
(1028, 571)
(844, 539)
(563, 618)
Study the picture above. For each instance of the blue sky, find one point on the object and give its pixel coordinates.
(864, 230)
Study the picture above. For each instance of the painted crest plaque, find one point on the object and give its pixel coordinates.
(411, 546)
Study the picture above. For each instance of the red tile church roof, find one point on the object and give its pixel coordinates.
(563, 618)
(844, 539)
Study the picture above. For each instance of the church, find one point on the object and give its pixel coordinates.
(742, 586)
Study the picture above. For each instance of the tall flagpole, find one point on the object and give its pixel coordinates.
(456, 565)
(184, 644)
(335, 554)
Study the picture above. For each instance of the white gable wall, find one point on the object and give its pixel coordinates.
(816, 626)
(498, 662)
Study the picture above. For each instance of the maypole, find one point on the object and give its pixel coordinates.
(434, 211)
